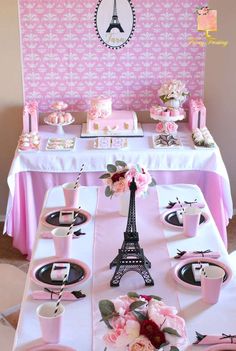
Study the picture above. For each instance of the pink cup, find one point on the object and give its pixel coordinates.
(211, 282)
(50, 323)
(62, 241)
(71, 195)
(191, 220)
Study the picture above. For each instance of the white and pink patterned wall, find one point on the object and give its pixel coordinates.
(64, 59)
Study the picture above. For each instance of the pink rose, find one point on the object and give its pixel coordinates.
(122, 304)
(165, 316)
(93, 113)
(124, 332)
(141, 344)
(160, 127)
(120, 186)
(171, 127)
(141, 178)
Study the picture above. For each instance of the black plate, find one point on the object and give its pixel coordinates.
(53, 219)
(185, 273)
(76, 274)
(172, 219)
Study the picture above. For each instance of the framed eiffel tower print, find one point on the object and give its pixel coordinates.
(114, 22)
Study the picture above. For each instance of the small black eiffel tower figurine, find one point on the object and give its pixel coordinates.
(131, 256)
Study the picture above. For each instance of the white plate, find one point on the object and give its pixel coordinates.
(110, 143)
(58, 124)
(59, 144)
(163, 146)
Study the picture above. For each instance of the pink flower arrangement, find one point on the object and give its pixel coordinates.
(142, 323)
(120, 175)
(166, 127)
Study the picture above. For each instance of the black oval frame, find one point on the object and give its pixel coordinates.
(131, 33)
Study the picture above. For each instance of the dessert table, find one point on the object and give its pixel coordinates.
(32, 173)
(82, 329)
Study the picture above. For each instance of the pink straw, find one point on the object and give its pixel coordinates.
(73, 222)
(60, 294)
(77, 180)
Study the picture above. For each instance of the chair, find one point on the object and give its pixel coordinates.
(232, 257)
(7, 334)
(12, 284)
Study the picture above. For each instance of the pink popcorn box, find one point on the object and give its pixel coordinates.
(30, 117)
(197, 113)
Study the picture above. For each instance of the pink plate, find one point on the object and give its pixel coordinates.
(40, 272)
(183, 275)
(175, 226)
(221, 347)
(84, 213)
(50, 347)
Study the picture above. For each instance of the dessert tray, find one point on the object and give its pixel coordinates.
(203, 139)
(161, 141)
(170, 218)
(60, 144)
(101, 133)
(110, 143)
(59, 126)
(40, 272)
(51, 218)
(183, 274)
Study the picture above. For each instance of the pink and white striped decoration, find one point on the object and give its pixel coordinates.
(63, 58)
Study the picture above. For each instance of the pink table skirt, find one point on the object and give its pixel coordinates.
(30, 189)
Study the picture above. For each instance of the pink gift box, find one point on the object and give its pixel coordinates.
(30, 117)
(197, 113)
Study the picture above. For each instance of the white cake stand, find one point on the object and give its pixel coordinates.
(59, 126)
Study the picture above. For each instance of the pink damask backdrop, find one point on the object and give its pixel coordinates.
(64, 59)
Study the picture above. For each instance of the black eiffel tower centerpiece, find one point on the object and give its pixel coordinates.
(115, 23)
(131, 256)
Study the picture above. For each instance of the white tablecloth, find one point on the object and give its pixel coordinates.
(77, 331)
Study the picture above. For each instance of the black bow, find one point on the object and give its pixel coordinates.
(225, 336)
(202, 252)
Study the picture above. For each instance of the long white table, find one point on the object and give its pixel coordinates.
(97, 249)
(33, 173)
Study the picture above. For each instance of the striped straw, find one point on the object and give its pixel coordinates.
(73, 222)
(77, 180)
(182, 208)
(60, 294)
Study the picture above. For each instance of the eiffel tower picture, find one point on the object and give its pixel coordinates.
(131, 256)
(115, 23)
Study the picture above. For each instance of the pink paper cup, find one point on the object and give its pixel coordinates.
(191, 220)
(211, 282)
(62, 241)
(50, 323)
(71, 195)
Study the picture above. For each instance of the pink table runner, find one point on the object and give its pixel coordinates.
(109, 228)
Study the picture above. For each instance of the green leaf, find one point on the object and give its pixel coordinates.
(155, 297)
(174, 348)
(136, 304)
(108, 191)
(164, 344)
(153, 182)
(140, 316)
(105, 175)
(170, 331)
(133, 294)
(107, 309)
(120, 163)
(111, 168)
(139, 169)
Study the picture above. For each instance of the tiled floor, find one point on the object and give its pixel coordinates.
(8, 254)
